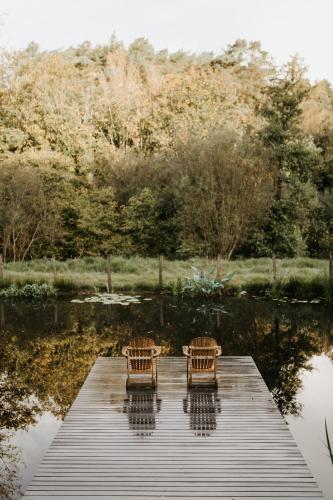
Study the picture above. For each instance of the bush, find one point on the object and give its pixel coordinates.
(36, 291)
(202, 284)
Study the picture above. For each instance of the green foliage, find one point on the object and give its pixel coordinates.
(201, 284)
(33, 291)
(149, 222)
(296, 162)
(140, 152)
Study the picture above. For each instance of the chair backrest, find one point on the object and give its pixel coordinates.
(141, 342)
(203, 351)
(140, 353)
(203, 342)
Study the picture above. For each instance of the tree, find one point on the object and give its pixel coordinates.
(30, 204)
(295, 162)
(225, 192)
(150, 223)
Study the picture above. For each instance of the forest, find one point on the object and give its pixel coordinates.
(133, 151)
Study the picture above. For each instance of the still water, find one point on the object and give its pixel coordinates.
(47, 350)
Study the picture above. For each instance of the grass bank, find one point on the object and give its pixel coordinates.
(301, 278)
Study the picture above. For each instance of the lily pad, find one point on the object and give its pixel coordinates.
(111, 299)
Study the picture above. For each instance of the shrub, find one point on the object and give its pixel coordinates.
(36, 291)
(202, 284)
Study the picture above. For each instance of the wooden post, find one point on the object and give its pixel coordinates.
(330, 278)
(218, 267)
(55, 313)
(54, 268)
(2, 317)
(274, 272)
(1, 269)
(274, 266)
(161, 312)
(160, 272)
(109, 273)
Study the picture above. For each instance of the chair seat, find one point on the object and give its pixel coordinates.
(202, 370)
(141, 370)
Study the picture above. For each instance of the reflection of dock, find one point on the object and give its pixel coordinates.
(245, 450)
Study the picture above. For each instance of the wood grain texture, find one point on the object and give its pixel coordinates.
(175, 442)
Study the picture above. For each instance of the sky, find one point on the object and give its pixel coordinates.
(284, 27)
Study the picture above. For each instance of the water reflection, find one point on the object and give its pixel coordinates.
(46, 351)
(141, 407)
(202, 405)
(9, 460)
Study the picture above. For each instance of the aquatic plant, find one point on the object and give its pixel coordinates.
(36, 291)
(329, 447)
(111, 298)
(201, 284)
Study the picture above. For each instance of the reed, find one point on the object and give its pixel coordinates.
(329, 447)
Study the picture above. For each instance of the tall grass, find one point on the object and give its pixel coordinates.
(302, 278)
(329, 447)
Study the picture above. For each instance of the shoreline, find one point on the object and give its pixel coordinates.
(299, 278)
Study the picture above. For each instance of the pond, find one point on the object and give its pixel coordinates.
(46, 351)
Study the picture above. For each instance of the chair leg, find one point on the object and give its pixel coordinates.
(215, 375)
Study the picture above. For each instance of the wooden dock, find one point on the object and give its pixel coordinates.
(230, 443)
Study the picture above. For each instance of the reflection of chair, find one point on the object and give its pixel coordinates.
(202, 405)
(141, 354)
(141, 406)
(202, 354)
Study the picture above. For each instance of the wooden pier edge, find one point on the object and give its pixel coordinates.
(175, 442)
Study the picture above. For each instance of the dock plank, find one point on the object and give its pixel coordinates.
(229, 443)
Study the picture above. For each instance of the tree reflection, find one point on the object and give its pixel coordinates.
(40, 375)
(9, 456)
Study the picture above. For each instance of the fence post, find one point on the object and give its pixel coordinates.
(161, 312)
(109, 273)
(2, 317)
(218, 267)
(330, 277)
(1, 269)
(54, 268)
(160, 272)
(274, 273)
(218, 319)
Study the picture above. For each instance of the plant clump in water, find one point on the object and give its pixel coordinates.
(201, 284)
(111, 298)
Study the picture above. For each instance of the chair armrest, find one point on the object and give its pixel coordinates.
(219, 351)
(124, 351)
(185, 350)
(157, 350)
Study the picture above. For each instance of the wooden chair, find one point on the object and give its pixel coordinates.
(202, 354)
(141, 354)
